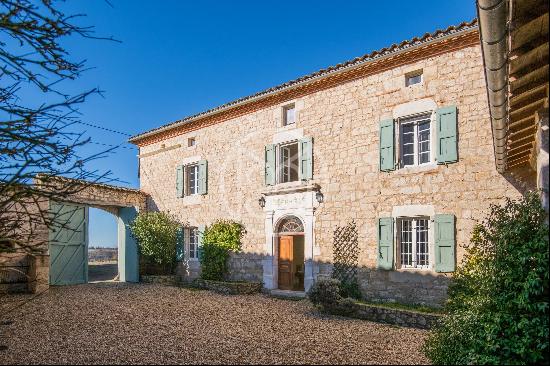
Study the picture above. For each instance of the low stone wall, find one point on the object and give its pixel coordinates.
(21, 272)
(229, 288)
(404, 318)
(382, 314)
(168, 280)
(247, 267)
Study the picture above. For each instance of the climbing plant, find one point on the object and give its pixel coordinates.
(346, 258)
(219, 239)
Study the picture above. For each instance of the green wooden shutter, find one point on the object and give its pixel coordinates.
(446, 135)
(305, 146)
(270, 165)
(444, 243)
(385, 243)
(387, 148)
(200, 230)
(203, 177)
(180, 243)
(179, 181)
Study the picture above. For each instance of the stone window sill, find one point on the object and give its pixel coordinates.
(291, 187)
(417, 169)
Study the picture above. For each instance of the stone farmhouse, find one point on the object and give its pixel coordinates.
(398, 140)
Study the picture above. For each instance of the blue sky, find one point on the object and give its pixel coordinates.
(178, 58)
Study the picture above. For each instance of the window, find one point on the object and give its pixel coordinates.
(192, 179)
(191, 142)
(288, 163)
(193, 243)
(413, 78)
(413, 238)
(414, 140)
(289, 115)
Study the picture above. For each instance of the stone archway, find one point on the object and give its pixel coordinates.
(124, 203)
(299, 202)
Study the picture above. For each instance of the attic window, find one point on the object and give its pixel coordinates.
(289, 115)
(191, 142)
(413, 78)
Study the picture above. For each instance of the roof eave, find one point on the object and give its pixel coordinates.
(135, 139)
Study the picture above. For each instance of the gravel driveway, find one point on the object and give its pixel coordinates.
(138, 323)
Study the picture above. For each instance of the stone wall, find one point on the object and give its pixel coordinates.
(344, 124)
(383, 314)
(31, 261)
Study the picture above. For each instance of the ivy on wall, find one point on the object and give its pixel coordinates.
(219, 239)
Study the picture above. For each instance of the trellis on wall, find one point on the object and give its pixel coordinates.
(346, 258)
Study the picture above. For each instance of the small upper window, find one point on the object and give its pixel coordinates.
(289, 115)
(191, 141)
(414, 140)
(413, 78)
(192, 179)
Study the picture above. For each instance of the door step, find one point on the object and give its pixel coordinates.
(288, 294)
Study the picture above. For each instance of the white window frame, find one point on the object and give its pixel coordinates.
(414, 252)
(415, 119)
(192, 233)
(195, 186)
(285, 108)
(279, 169)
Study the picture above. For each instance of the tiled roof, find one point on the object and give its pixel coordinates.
(416, 41)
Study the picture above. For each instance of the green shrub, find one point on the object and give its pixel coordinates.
(350, 289)
(325, 293)
(219, 239)
(155, 233)
(498, 298)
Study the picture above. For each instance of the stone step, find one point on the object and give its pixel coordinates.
(288, 294)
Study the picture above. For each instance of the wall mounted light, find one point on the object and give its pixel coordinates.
(261, 202)
(319, 197)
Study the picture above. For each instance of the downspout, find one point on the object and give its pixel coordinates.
(493, 33)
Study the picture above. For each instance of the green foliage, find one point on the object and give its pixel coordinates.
(325, 293)
(350, 289)
(219, 239)
(498, 298)
(155, 233)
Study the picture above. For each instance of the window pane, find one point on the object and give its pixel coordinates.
(289, 115)
(193, 179)
(407, 144)
(406, 243)
(424, 142)
(422, 242)
(413, 79)
(289, 163)
(193, 243)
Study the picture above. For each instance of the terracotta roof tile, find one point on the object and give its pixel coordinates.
(464, 26)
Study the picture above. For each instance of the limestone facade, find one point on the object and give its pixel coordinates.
(343, 122)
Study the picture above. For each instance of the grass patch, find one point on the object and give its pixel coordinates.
(399, 306)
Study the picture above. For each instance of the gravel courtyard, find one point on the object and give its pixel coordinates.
(138, 323)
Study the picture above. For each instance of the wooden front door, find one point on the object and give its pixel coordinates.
(286, 256)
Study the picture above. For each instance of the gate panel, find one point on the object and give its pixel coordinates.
(68, 239)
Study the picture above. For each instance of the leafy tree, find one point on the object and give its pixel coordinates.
(156, 235)
(498, 298)
(38, 136)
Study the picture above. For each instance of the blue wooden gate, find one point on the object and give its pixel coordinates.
(68, 239)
